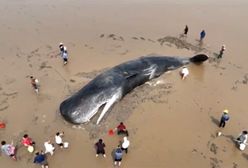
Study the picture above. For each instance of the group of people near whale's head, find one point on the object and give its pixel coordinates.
(241, 139)
(40, 157)
(122, 146)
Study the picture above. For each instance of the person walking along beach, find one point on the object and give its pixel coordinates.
(202, 35)
(222, 49)
(224, 118)
(186, 29)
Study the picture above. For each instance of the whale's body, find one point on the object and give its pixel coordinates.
(113, 84)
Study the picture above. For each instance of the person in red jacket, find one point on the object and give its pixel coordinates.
(121, 129)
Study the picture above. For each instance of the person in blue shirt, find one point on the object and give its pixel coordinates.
(118, 156)
(40, 159)
(202, 35)
(224, 118)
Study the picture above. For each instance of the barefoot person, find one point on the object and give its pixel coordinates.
(100, 148)
(121, 129)
(8, 149)
(40, 159)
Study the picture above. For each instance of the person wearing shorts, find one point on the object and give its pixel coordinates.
(58, 139)
(100, 148)
(118, 156)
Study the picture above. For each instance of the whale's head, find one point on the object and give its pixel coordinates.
(87, 102)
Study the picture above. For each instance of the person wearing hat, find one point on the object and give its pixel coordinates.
(225, 117)
(223, 48)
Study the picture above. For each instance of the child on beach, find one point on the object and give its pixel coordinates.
(224, 118)
(100, 148)
(34, 83)
(8, 149)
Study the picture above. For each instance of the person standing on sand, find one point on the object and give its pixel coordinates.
(186, 29)
(58, 139)
(184, 72)
(49, 147)
(100, 148)
(34, 83)
(125, 144)
(8, 149)
(65, 56)
(40, 159)
(223, 48)
(202, 35)
(118, 156)
(61, 48)
(224, 118)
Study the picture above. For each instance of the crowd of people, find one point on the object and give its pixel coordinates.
(40, 158)
(121, 147)
(121, 130)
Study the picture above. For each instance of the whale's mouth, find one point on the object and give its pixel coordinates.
(199, 58)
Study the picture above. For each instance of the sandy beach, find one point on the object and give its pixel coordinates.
(172, 122)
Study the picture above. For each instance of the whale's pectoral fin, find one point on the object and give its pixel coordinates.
(106, 108)
(130, 75)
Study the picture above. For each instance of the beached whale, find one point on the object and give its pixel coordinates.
(110, 86)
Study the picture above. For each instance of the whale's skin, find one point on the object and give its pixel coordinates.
(110, 86)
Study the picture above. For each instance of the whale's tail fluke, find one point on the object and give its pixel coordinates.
(199, 58)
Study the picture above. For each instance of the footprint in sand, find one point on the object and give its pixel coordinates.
(135, 38)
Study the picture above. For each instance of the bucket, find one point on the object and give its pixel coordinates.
(30, 149)
(2, 125)
(66, 144)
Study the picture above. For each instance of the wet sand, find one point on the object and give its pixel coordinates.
(172, 124)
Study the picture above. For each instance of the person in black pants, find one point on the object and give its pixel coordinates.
(225, 117)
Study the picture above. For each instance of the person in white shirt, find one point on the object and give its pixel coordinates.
(49, 148)
(184, 72)
(58, 139)
(125, 144)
